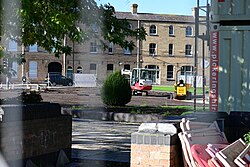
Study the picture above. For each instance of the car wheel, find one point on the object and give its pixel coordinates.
(70, 84)
(53, 84)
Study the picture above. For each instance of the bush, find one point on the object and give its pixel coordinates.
(31, 97)
(116, 90)
(247, 137)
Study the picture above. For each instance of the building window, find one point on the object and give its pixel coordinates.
(79, 70)
(189, 31)
(152, 30)
(170, 49)
(111, 48)
(69, 72)
(94, 27)
(127, 51)
(12, 46)
(154, 75)
(171, 30)
(33, 69)
(187, 70)
(152, 49)
(130, 26)
(170, 72)
(14, 68)
(93, 47)
(126, 67)
(188, 50)
(92, 67)
(33, 48)
(110, 67)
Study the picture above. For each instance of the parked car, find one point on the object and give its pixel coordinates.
(58, 79)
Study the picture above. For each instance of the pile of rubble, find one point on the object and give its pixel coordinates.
(205, 145)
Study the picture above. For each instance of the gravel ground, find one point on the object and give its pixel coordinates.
(90, 96)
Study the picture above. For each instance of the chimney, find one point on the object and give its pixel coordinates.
(134, 8)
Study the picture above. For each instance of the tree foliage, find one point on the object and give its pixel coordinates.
(116, 90)
(47, 22)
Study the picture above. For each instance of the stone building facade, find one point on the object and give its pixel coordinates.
(168, 49)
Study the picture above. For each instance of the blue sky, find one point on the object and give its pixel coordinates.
(182, 7)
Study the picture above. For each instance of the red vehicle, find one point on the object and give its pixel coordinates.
(140, 80)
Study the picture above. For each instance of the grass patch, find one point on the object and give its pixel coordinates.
(199, 90)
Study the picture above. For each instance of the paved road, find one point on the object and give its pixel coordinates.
(101, 141)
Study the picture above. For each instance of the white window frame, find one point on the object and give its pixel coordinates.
(170, 72)
(171, 30)
(111, 48)
(33, 65)
(189, 31)
(171, 49)
(93, 47)
(153, 30)
(188, 51)
(150, 48)
(187, 70)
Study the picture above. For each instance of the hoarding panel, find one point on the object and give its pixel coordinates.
(230, 10)
(224, 76)
(246, 71)
(234, 68)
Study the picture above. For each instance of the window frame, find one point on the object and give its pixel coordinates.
(188, 51)
(171, 49)
(14, 67)
(111, 48)
(170, 72)
(110, 67)
(171, 30)
(12, 46)
(92, 66)
(33, 48)
(127, 67)
(93, 47)
(186, 72)
(33, 69)
(189, 31)
(79, 70)
(153, 30)
(150, 49)
(127, 51)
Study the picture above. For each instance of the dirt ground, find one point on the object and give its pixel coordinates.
(91, 97)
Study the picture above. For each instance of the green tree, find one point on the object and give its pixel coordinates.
(47, 23)
(116, 90)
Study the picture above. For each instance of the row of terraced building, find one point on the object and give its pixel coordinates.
(169, 47)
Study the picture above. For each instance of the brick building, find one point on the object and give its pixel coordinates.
(169, 47)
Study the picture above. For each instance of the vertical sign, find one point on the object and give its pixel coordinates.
(214, 71)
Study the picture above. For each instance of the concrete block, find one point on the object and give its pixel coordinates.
(148, 127)
(166, 128)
